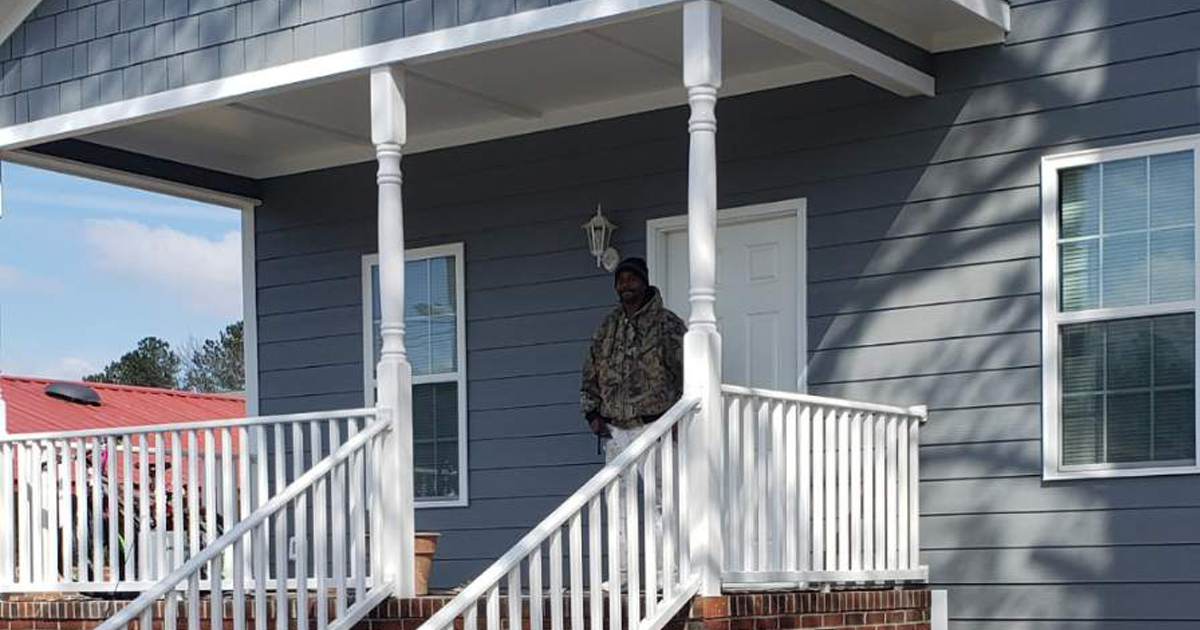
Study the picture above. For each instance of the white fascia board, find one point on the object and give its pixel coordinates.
(458, 40)
(825, 44)
(996, 12)
(13, 14)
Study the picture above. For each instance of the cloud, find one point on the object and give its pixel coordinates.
(203, 273)
(66, 368)
(13, 279)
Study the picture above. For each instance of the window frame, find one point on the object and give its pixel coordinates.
(1053, 319)
(451, 250)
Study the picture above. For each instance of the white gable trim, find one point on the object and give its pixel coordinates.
(13, 13)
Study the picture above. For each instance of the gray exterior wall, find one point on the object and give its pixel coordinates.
(73, 54)
(923, 287)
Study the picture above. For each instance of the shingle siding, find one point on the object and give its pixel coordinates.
(923, 287)
(200, 40)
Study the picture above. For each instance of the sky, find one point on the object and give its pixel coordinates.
(87, 269)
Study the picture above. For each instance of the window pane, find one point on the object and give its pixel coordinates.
(1080, 268)
(435, 440)
(1128, 390)
(1124, 281)
(443, 345)
(1128, 427)
(1171, 189)
(441, 286)
(1125, 195)
(1079, 201)
(1174, 350)
(1172, 265)
(376, 309)
(1128, 354)
(1083, 436)
(416, 288)
(1175, 425)
(1082, 358)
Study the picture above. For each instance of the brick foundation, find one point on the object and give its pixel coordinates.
(891, 609)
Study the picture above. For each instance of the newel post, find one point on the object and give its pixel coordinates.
(389, 130)
(702, 343)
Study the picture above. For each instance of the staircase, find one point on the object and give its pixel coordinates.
(634, 568)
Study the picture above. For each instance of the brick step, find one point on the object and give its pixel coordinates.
(893, 609)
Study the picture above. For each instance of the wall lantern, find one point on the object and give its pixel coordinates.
(599, 234)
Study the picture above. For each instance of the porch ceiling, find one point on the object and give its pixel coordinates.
(605, 71)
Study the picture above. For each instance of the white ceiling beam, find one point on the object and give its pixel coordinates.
(508, 108)
(676, 69)
(825, 44)
(347, 136)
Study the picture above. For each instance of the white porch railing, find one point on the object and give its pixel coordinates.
(641, 540)
(340, 489)
(820, 490)
(120, 509)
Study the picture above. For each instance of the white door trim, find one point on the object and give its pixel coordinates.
(657, 231)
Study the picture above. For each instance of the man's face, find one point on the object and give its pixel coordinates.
(630, 288)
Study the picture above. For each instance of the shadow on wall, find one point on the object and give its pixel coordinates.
(924, 288)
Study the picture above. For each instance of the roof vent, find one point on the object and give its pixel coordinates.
(73, 392)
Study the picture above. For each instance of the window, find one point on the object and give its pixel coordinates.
(1119, 311)
(435, 340)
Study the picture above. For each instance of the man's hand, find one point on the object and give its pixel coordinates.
(599, 426)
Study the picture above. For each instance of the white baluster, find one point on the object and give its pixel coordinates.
(843, 500)
(831, 480)
(81, 514)
(8, 559)
(670, 519)
(914, 485)
(818, 489)
(129, 515)
(556, 580)
(37, 523)
(576, 567)
(514, 598)
(750, 457)
(629, 486)
(901, 494)
(595, 561)
(337, 514)
(615, 522)
(892, 481)
(177, 486)
(493, 608)
(302, 530)
(358, 533)
(649, 517)
(804, 515)
(114, 564)
(777, 475)
(160, 507)
(320, 535)
(282, 615)
(735, 494)
(535, 589)
(856, 492)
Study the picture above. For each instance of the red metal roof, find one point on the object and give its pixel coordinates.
(30, 410)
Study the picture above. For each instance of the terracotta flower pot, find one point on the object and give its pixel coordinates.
(426, 545)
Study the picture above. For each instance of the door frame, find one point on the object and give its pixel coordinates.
(657, 231)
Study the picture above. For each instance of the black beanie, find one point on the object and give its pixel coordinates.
(636, 266)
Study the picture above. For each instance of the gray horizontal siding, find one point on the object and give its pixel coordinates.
(923, 252)
(72, 55)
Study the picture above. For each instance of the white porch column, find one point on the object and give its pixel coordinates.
(702, 343)
(389, 130)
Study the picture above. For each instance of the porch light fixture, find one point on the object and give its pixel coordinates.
(599, 234)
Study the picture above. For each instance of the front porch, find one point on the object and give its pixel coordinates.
(736, 489)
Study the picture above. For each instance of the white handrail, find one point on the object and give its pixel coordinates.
(823, 401)
(824, 490)
(468, 598)
(194, 565)
(251, 421)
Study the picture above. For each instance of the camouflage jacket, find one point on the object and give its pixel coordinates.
(634, 366)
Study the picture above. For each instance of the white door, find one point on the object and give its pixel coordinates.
(759, 289)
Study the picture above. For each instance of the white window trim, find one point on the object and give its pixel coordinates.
(1051, 319)
(454, 250)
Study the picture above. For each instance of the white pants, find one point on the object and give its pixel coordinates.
(620, 440)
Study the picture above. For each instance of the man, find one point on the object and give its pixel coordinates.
(634, 367)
